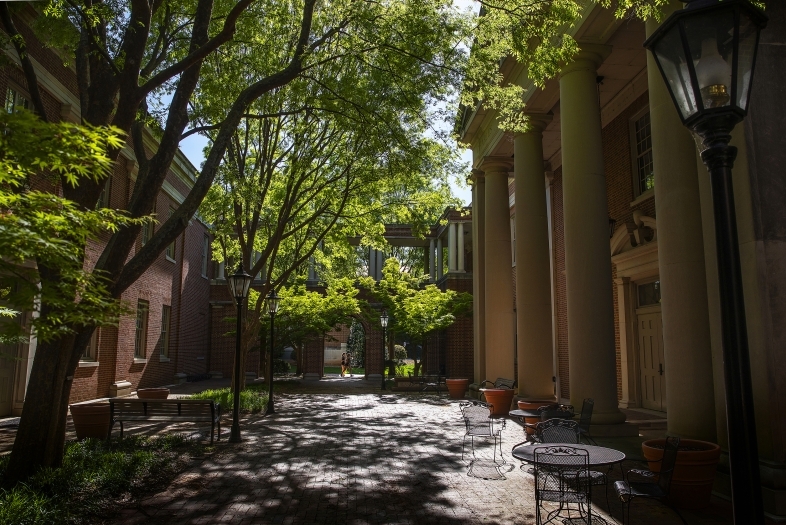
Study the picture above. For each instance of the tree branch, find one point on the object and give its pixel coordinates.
(27, 65)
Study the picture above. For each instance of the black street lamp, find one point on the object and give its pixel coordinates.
(706, 54)
(383, 320)
(238, 283)
(271, 303)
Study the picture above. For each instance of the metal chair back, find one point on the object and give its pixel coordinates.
(558, 474)
(586, 414)
(558, 431)
(668, 462)
(477, 418)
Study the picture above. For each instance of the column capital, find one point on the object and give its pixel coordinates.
(497, 165)
(536, 123)
(476, 176)
(590, 56)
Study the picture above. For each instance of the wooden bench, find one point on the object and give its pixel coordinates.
(154, 410)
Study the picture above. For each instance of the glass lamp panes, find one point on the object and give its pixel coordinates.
(644, 164)
(670, 55)
(272, 302)
(383, 319)
(238, 283)
(707, 54)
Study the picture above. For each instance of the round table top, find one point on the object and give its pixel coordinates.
(562, 414)
(598, 456)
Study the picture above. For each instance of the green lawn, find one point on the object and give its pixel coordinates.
(337, 370)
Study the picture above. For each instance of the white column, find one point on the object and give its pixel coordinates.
(221, 269)
(460, 246)
(533, 267)
(372, 263)
(380, 264)
(500, 320)
(451, 247)
(431, 264)
(478, 274)
(439, 258)
(591, 346)
(687, 344)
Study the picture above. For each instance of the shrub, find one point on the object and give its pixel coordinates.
(251, 400)
(94, 474)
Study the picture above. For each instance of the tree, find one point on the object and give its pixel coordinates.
(128, 55)
(40, 226)
(414, 309)
(304, 315)
(330, 156)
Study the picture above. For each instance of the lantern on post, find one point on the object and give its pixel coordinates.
(706, 54)
(238, 283)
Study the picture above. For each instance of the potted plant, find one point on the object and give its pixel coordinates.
(532, 404)
(91, 420)
(457, 387)
(694, 471)
(152, 393)
(500, 399)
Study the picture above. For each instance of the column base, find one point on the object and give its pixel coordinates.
(374, 377)
(311, 376)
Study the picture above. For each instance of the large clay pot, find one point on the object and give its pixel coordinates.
(152, 393)
(457, 387)
(91, 420)
(500, 399)
(533, 404)
(694, 472)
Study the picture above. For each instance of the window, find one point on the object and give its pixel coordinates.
(140, 339)
(205, 254)
(166, 314)
(147, 230)
(649, 293)
(103, 199)
(14, 99)
(91, 350)
(170, 250)
(644, 175)
(513, 239)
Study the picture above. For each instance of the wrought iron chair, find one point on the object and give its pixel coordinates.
(558, 471)
(557, 431)
(585, 419)
(479, 423)
(659, 488)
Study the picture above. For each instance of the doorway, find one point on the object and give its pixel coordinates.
(650, 340)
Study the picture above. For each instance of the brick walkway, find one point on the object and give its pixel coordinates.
(360, 458)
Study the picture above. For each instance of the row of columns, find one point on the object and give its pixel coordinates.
(455, 231)
(590, 314)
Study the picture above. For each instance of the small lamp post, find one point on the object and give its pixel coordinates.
(706, 54)
(272, 302)
(238, 283)
(383, 320)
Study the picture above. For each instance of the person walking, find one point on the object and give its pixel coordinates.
(343, 364)
(349, 363)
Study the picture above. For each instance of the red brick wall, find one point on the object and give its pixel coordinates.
(458, 338)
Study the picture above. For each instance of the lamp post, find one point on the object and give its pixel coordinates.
(706, 54)
(239, 283)
(383, 320)
(271, 303)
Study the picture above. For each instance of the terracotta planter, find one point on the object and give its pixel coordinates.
(457, 387)
(91, 420)
(500, 399)
(152, 393)
(694, 472)
(533, 405)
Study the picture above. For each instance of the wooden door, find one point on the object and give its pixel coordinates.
(653, 394)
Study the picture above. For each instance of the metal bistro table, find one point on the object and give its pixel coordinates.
(562, 414)
(598, 456)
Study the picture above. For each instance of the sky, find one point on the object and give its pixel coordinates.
(194, 145)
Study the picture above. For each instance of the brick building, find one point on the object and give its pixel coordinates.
(603, 208)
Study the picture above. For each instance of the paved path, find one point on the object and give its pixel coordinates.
(359, 458)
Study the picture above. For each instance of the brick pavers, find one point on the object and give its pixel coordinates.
(362, 458)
